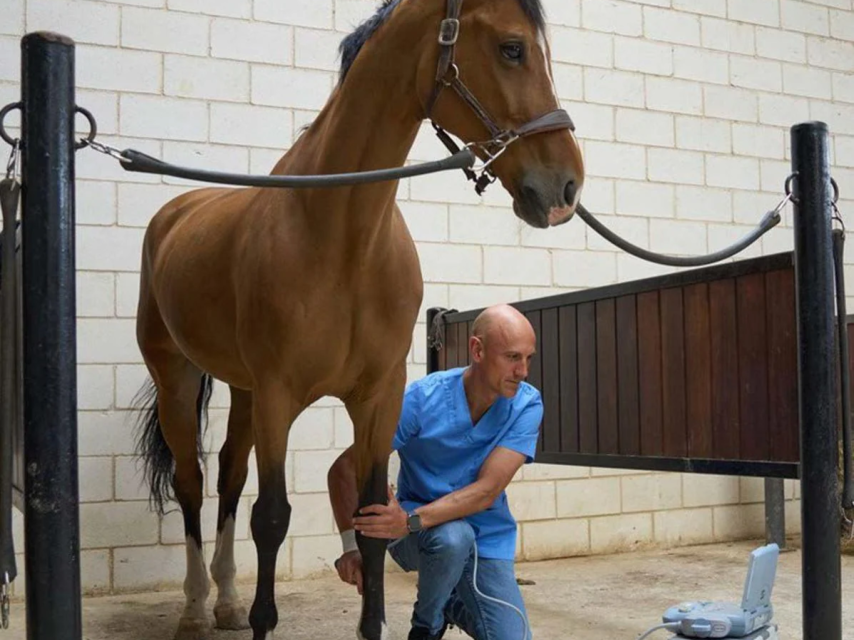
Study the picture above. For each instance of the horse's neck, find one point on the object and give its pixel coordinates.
(360, 129)
(370, 122)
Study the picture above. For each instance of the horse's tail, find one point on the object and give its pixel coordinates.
(151, 447)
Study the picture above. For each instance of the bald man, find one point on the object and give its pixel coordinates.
(462, 436)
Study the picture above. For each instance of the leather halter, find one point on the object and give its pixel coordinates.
(448, 75)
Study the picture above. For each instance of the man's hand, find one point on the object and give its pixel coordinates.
(349, 568)
(382, 521)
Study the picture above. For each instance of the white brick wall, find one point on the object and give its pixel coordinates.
(683, 108)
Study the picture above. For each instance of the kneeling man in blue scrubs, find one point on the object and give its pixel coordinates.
(462, 436)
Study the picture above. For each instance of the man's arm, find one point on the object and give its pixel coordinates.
(343, 493)
(389, 521)
(344, 496)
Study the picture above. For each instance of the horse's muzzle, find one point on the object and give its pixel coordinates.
(546, 199)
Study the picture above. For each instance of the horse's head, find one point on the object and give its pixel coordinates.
(488, 80)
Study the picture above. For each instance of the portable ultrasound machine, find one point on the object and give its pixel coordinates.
(750, 620)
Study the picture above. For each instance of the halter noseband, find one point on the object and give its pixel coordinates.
(448, 75)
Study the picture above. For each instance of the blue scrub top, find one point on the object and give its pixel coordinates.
(441, 451)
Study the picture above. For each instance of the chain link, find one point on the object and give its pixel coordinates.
(776, 210)
(848, 523)
(837, 217)
(105, 149)
(13, 165)
(4, 601)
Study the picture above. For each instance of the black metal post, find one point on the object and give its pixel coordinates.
(822, 606)
(775, 512)
(51, 516)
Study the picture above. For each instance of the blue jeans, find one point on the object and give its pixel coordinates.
(443, 557)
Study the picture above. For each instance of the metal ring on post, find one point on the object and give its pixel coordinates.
(93, 128)
(790, 180)
(9, 107)
(788, 187)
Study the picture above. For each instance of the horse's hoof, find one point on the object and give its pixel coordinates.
(383, 633)
(193, 629)
(231, 616)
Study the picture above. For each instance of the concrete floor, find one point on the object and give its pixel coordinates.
(595, 598)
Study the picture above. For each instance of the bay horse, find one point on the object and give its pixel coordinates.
(291, 295)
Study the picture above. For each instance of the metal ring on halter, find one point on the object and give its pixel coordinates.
(456, 74)
(93, 128)
(9, 107)
(835, 190)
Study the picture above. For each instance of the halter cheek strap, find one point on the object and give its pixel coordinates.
(448, 75)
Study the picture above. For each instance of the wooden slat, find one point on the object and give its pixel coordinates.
(673, 373)
(606, 376)
(698, 371)
(466, 354)
(649, 371)
(568, 380)
(627, 376)
(726, 427)
(752, 367)
(450, 346)
(443, 353)
(550, 352)
(783, 421)
(587, 397)
(535, 372)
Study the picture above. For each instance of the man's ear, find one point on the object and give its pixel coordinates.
(476, 348)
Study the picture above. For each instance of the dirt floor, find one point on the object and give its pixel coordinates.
(595, 598)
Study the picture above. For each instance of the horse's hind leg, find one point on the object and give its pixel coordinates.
(273, 411)
(178, 392)
(233, 468)
(375, 421)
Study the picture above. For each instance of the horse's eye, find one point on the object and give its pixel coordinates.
(512, 51)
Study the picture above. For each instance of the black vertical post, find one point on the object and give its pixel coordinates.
(51, 515)
(822, 606)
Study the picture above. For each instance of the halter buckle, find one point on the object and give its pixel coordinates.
(449, 31)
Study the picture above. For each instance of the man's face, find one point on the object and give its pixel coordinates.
(505, 355)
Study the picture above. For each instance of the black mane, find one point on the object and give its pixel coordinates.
(353, 43)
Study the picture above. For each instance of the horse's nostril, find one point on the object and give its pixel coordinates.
(569, 192)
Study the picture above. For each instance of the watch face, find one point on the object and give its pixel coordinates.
(413, 522)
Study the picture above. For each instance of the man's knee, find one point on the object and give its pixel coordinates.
(454, 539)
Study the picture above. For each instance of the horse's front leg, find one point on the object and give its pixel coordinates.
(375, 421)
(273, 412)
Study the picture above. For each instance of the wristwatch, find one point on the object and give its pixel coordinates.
(413, 522)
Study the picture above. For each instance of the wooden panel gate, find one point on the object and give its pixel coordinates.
(694, 371)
